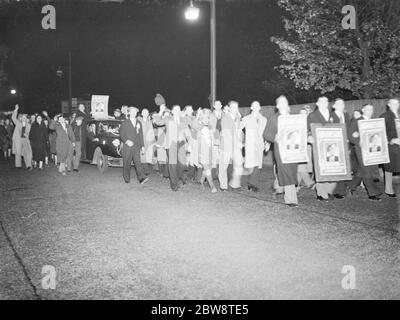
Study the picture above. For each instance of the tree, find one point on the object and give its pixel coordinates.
(320, 54)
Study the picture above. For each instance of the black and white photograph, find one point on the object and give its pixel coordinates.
(196, 157)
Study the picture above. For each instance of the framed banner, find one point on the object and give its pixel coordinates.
(99, 106)
(373, 141)
(292, 133)
(397, 122)
(330, 152)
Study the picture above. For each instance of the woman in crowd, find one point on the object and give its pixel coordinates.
(38, 139)
(287, 173)
(149, 141)
(205, 143)
(364, 173)
(391, 116)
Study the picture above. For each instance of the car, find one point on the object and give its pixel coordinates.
(103, 144)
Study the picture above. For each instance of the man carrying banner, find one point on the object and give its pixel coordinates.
(287, 173)
(321, 115)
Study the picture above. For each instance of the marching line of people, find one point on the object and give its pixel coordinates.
(215, 146)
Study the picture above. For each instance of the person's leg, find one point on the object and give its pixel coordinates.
(254, 177)
(138, 165)
(223, 176)
(18, 161)
(78, 155)
(127, 156)
(208, 176)
(40, 165)
(290, 196)
(322, 190)
(173, 176)
(27, 153)
(70, 155)
(341, 188)
(389, 183)
(372, 187)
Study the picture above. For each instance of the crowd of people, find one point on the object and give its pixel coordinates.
(216, 146)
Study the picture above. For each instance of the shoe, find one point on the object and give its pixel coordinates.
(76, 170)
(214, 190)
(144, 180)
(374, 198)
(224, 190)
(393, 195)
(64, 173)
(127, 181)
(29, 169)
(253, 188)
(292, 205)
(338, 196)
(319, 198)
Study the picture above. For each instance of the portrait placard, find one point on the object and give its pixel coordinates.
(373, 141)
(292, 133)
(99, 106)
(330, 151)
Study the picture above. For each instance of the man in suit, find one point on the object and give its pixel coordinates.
(131, 135)
(85, 118)
(231, 148)
(321, 115)
(177, 138)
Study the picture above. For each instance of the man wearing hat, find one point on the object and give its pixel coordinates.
(131, 135)
(85, 118)
(254, 125)
(78, 133)
(118, 115)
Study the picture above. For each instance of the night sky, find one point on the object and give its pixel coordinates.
(133, 51)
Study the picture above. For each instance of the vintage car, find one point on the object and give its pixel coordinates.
(103, 145)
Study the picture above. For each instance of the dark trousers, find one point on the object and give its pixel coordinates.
(163, 170)
(191, 173)
(253, 178)
(176, 173)
(371, 186)
(129, 154)
(341, 187)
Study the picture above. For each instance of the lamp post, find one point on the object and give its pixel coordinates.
(60, 74)
(192, 13)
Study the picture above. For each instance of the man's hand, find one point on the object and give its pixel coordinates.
(395, 141)
(129, 143)
(142, 150)
(16, 107)
(267, 146)
(310, 140)
(73, 144)
(162, 108)
(356, 135)
(44, 112)
(96, 139)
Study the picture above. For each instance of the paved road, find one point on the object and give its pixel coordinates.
(109, 240)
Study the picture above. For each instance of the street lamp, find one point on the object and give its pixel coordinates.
(192, 13)
(13, 92)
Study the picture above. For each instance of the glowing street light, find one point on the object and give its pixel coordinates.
(192, 13)
(13, 92)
